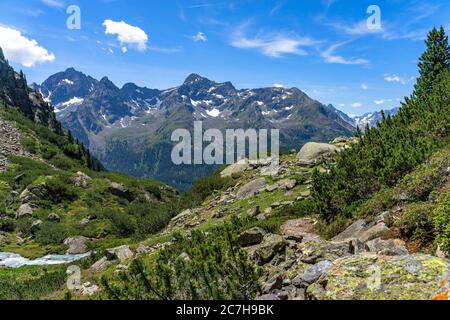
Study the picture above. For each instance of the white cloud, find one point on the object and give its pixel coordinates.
(274, 45)
(329, 56)
(341, 105)
(129, 36)
(357, 29)
(200, 37)
(381, 101)
(394, 78)
(278, 85)
(19, 49)
(53, 3)
(356, 105)
(364, 86)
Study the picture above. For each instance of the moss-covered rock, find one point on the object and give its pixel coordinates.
(372, 277)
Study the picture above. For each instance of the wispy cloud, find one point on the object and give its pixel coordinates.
(274, 45)
(381, 101)
(54, 3)
(330, 56)
(356, 105)
(356, 29)
(364, 86)
(200, 37)
(394, 78)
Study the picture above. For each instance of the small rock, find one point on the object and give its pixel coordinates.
(121, 253)
(251, 237)
(251, 188)
(24, 210)
(313, 274)
(77, 245)
(268, 297)
(36, 225)
(81, 180)
(253, 212)
(53, 217)
(101, 265)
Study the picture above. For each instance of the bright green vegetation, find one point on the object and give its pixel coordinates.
(200, 267)
(393, 149)
(31, 283)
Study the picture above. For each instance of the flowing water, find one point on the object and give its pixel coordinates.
(13, 260)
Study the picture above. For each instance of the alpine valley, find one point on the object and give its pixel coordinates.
(129, 129)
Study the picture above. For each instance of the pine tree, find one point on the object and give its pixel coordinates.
(2, 56)
(435, 59)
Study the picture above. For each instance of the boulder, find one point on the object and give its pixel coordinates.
(298, 229)
(24, 210)
(274, 283)
(374, 277)
(236, 168)
(253, 212)
(251, 237)
(268, 297)
(314, 150)
(35, 225)
(121, 191)
(251, 188)
(121, 253)
(353, 231)
(101, 265)
(391, 247)
(77, 245)
(53, 217)
(373, 232)
(89, 289)
(287, 184)
(81, 180)
(312, 274)
(271, 245)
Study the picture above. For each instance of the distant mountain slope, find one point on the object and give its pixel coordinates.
(129, 128)
(373, 118)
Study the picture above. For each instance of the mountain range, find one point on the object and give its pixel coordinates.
(128, 129)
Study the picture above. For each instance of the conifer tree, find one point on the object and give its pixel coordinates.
(435, 59)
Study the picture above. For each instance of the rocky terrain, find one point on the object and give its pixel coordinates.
(10, 144)
(368, 260)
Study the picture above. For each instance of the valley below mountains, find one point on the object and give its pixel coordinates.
(129, 129)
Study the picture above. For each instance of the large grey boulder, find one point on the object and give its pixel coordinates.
(236, 168)
(314, 151)
(251, 188)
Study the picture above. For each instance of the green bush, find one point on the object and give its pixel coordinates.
(51, 233)
(442, 221)
(201, 267)
(416, 222)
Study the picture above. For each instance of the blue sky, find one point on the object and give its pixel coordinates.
(322, 47)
